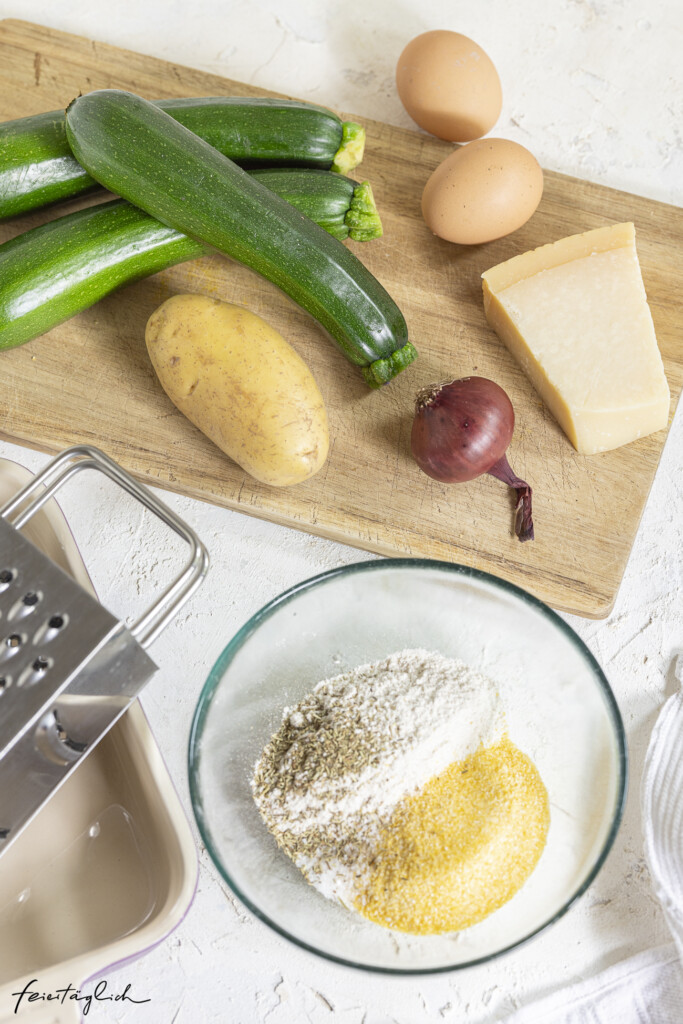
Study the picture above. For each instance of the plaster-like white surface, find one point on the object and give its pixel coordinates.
(594, 88)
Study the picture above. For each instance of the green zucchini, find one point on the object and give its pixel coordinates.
(340, 205)
(37, 166)
(54, 271)
(136, 150)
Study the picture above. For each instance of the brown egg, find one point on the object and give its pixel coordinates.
(449, 86)
(482, 191)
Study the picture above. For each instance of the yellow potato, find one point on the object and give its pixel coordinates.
(242, 384)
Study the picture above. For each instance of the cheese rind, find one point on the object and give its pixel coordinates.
(575, 315)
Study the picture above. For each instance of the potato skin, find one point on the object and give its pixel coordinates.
(242, 385)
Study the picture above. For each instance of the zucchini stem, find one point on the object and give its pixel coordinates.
(350, 152)
(362, 218)
(383, 370)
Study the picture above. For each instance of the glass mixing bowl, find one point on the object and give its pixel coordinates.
(559, 708)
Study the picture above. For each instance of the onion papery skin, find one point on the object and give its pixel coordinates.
(461, 428)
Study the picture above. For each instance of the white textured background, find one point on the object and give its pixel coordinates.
(594, 88)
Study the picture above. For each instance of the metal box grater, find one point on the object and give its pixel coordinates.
(68, 667)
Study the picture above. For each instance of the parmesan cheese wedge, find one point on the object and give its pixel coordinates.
(575, 316)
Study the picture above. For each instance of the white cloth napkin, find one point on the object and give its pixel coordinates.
(647, 988)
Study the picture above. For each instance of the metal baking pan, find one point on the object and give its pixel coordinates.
(108, 867)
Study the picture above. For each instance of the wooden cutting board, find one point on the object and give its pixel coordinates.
(90, 380)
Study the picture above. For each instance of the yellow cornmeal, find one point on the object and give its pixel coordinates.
(462, 846)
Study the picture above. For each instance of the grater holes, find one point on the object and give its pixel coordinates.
(26, 605)
(11, 645)
(5, 681)
(4, 832)
(54, 743)
(6, 577)
(35, 672)
(51, 629)
(68, 742)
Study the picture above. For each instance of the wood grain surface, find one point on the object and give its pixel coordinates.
(89, 380)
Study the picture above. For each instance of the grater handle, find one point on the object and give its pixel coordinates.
(60, 470)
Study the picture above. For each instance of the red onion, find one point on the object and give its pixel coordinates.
(462, 429)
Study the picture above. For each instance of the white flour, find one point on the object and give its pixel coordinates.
(359, 743)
